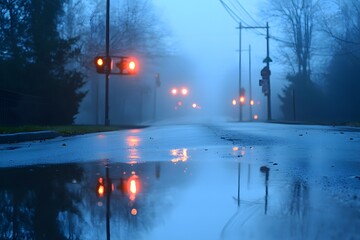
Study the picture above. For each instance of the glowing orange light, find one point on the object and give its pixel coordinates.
(132, 65)
(101, 187)
(101, 190)
(100, 62)
(252, 103)
(133, 188)
(134, 211)
(242, 99)
(256, 117)
(235, 149)
(184, 91)
(133, 141)
(174, 91)
(233, 102)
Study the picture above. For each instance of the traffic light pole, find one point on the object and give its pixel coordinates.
(240, 104)
(107, 120)
(107, 74)
(267, 60)
(268, 67)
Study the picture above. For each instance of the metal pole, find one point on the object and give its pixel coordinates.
(250, 89)
(238, 193)
(108, 192)
(268, 66)
(107, 43)
(240, 105)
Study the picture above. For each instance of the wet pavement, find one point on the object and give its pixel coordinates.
(224, 181)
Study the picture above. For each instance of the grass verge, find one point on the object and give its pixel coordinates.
(66, 130)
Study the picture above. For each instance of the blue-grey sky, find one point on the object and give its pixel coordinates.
(207, 34)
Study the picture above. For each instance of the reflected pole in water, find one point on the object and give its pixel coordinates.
(238, 195)
(266, 170)
(108, 192)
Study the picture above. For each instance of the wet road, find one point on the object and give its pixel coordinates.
(219, 181)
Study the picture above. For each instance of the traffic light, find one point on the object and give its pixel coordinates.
(128, 66)
(264, 84)
(184, 91)
(242, 100)
(242, 96)
(103, 64)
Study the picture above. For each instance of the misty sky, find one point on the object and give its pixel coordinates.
(207, 34)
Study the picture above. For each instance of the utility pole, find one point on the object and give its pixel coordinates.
(267, 60)
(107, 120)
(250, 87)
(240, 105)
(238, 19)
(107, 57)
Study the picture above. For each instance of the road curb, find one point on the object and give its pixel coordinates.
(27, 136)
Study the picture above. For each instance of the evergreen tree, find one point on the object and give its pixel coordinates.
(38, 66)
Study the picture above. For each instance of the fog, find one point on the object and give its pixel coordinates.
(308, 83)
(193, 47)
(204, 58)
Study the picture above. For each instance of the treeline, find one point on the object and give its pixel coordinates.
(40, 83)
(320, 42)
(47, 49)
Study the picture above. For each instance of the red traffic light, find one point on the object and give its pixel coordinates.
(102, 64)
(128, 66)
(242, 100)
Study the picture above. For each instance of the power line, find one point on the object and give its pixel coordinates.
(247, 13)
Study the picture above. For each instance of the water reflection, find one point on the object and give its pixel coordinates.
(289, 209)
(39, 202)
(179, 155)
(71, 201)
(133, 143)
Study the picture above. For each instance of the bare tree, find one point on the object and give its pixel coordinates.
(296, 19)
(343, 26)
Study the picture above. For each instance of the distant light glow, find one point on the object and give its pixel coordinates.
(174, 91)
(256, 117)
(252, 102)
(233, 102)
(184, 91)
(242, 99)
(194, 105)
(180, 103)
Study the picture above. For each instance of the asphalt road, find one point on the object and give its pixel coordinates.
(203, 181)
